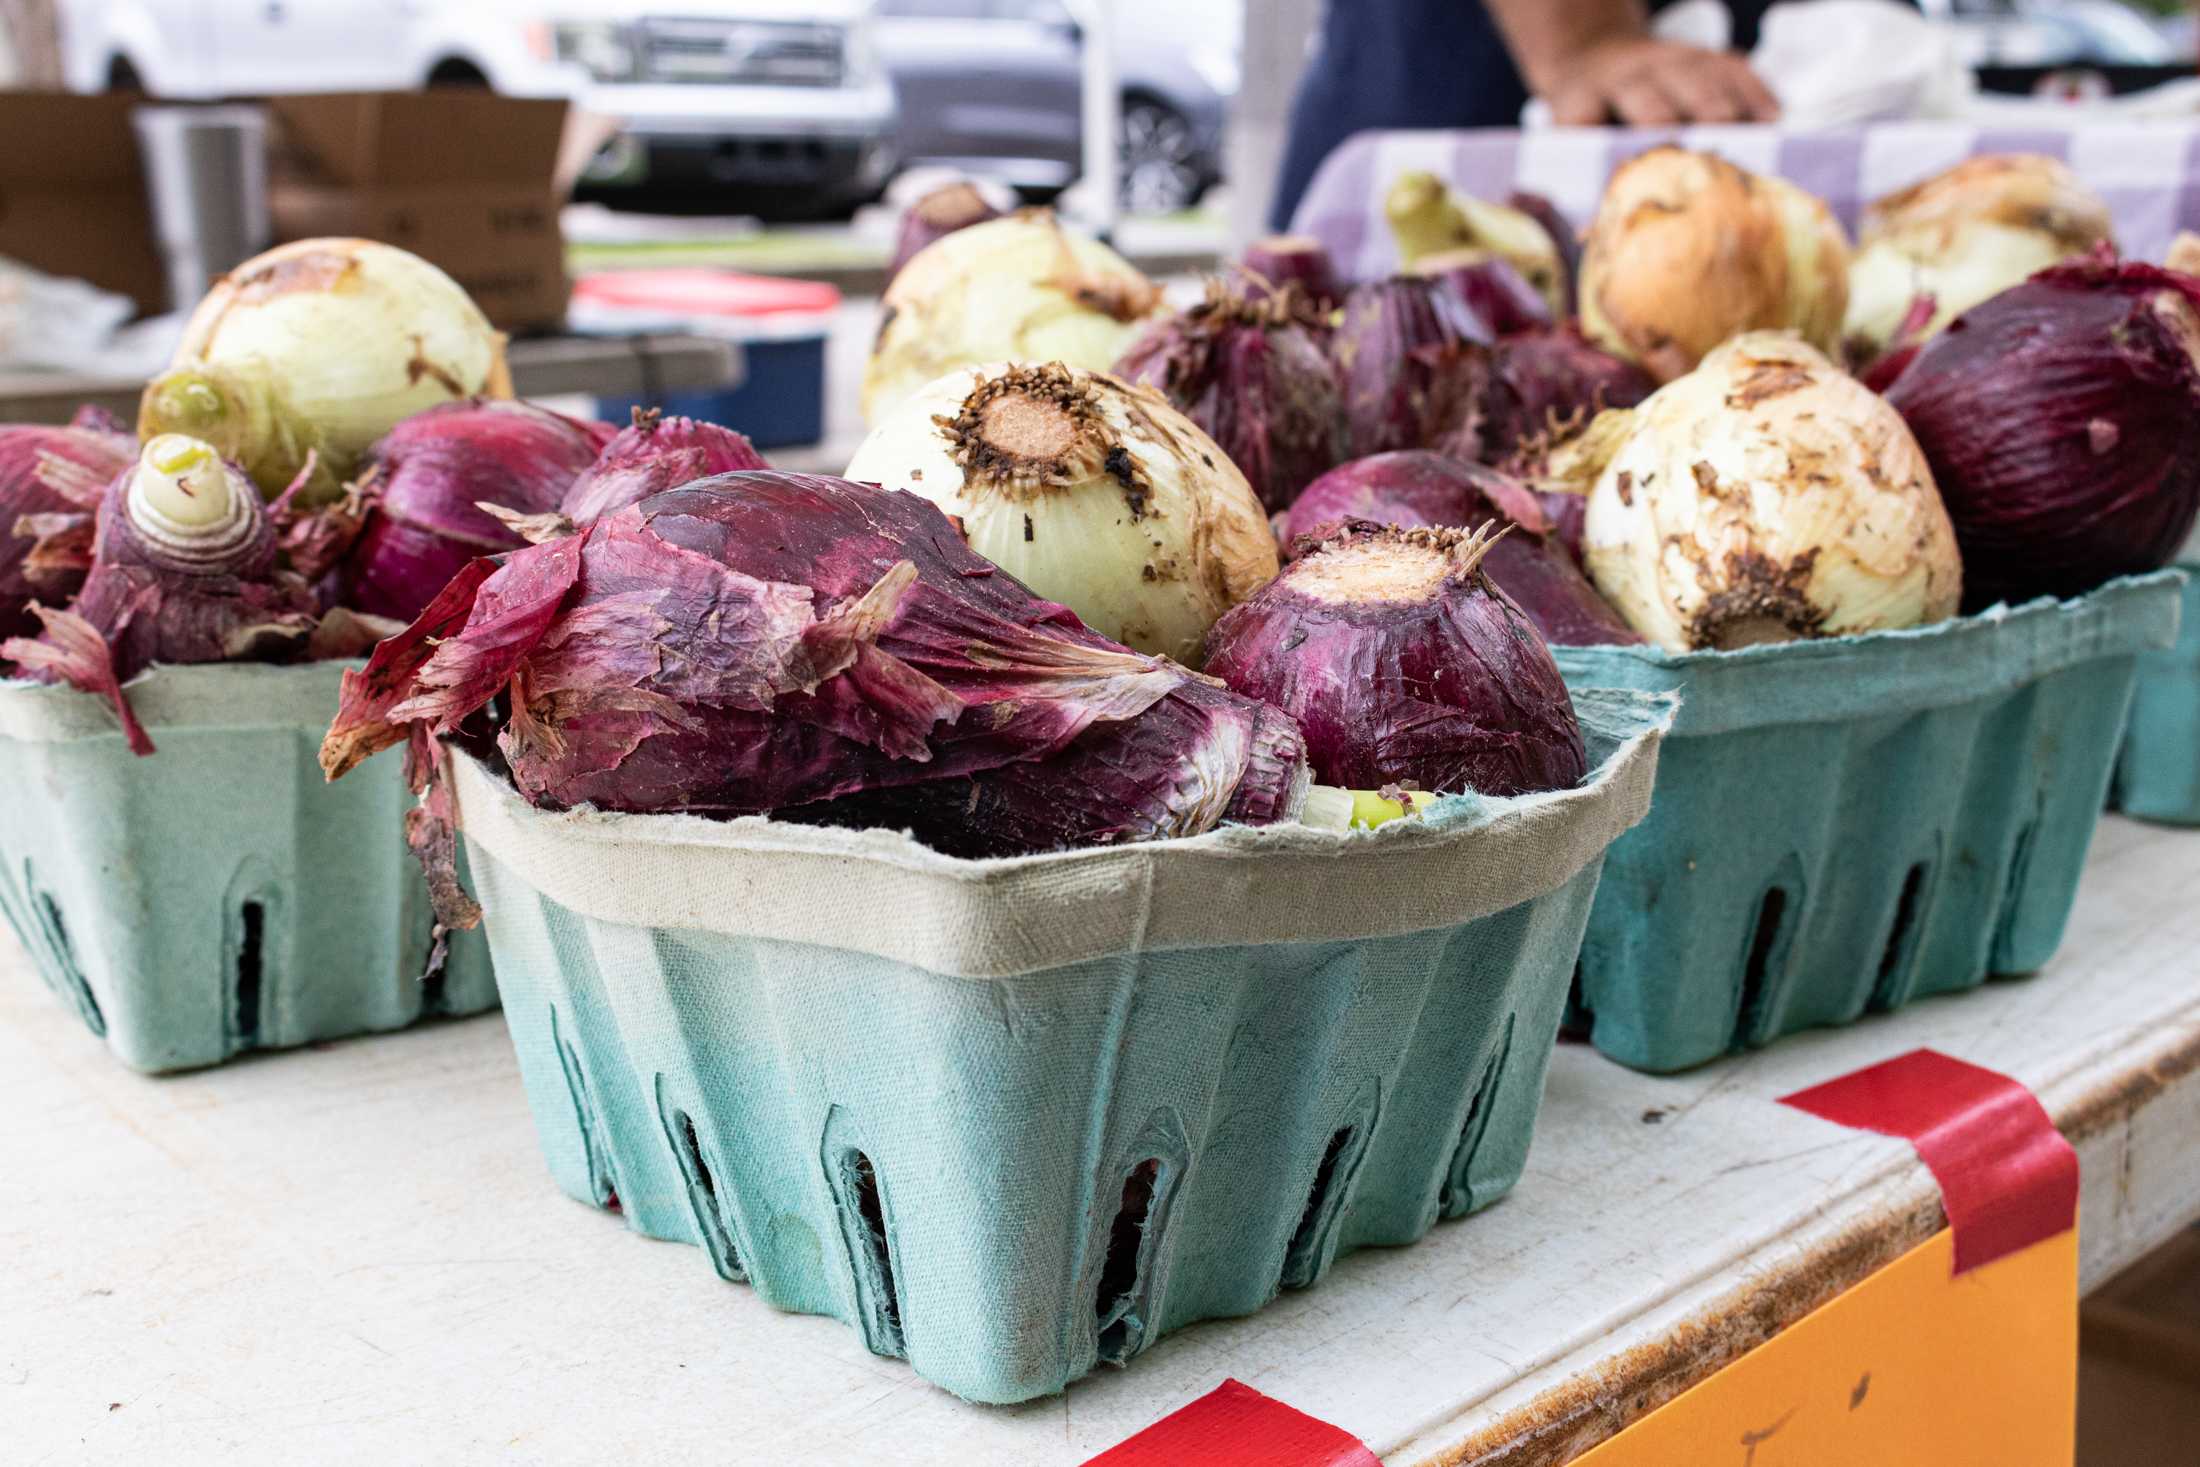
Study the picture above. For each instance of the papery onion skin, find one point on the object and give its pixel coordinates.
(1498, 294)
(1687, 251)
(1093, 492)
(1962, 235)
(2062, 421)
(1280, 260)
(321, 346)
(1419, 488)
(1405, 666)
(91, 458)
(1764, 497)
(1544, 385)
(656, 453)
(1564, 239)
(428, 478)
(1412, 361)
(1017, 289)
(2184, 253)
(941, 212)
(1253, 376)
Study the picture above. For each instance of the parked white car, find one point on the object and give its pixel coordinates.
(781, 104)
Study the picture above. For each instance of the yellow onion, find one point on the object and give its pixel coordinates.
(1763, 497)
(1963, 235)
(1019, 289)
(319, 348)
(1688, 250)
(2184, 253)
(1427, 218)
(1092, 492)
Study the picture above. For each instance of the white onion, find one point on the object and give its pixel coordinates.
(1091, 492)
(1019, 289)
(322, 346)
(1963, 235)
(1766, 496)
(1687, 250)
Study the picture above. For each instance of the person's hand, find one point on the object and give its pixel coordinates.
(1651, 83)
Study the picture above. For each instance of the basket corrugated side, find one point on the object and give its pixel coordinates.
(2158, 776)
(1846, 825)
(218, 896)
(1012, 1119)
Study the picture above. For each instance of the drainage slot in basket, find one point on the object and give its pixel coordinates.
(1579, 1021)
(435, 974)
(1121, 1271)
(1455, 1196)
(2001, 959)
(1764, 946)
(59, 966)
(251, 925)
(703, 1195)
(860, 1190)
(603, 1182)
(1895, 960)
(1302, 1259)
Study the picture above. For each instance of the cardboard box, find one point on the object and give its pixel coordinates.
(465, 179)
(72, 193)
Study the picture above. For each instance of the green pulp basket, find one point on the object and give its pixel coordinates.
(1843, 826)
(2158, 777)
(1012, 1119)
(216, 896)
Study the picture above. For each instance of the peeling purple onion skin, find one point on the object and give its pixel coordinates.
(1563, 236)
(2062, 422)
(1544, 383)
(1444, 687)
(1165, 773)
(1255, 380)
(1281, 260)
(1423, 489)
(655, 454)
(758, 641)
(432, 471)
(102, 455)
(1412, 361)
(1498, 294)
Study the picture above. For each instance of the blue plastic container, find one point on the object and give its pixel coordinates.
(217, 896)
(2158, 777)
(1843, 826)
(1012, 1119)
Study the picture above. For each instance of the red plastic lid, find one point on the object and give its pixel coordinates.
(705, 292)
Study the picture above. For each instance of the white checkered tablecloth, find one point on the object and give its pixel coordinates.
(2149, 172)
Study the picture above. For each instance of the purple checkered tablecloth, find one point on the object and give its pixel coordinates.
(2148, 172)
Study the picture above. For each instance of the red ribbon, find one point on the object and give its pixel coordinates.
(1234, 1425)
(2007, 1177)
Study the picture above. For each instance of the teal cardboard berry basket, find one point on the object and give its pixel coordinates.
(216, 896)
(1843, 826)
(1012, 1119)
(2158, 776)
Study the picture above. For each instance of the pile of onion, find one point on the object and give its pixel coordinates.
(1019, 289)
(1426, 218)
(1412, 360)
(1763, 497)
(2062, 421)
(1962, 235)
(313, 351)
(1405, 667)
(1091, 492)
(1252, 374)
(1419, 489)
(428, 478)
(1687, 251)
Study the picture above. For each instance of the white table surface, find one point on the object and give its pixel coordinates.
(354, 1254)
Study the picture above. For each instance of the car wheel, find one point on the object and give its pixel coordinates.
(1158, 159)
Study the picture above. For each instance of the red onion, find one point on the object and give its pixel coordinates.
(1492, 287)
(1412, 361)
(186, 568)
(428, 478)
(2062, 422)
(1563, 238)
(655, 454)
(50, 481)
(1253, 377)
(1405, 666)
(1421, 489)
(1544, 384)
(941, 212)
(1281, 260)
(769, 640)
